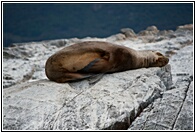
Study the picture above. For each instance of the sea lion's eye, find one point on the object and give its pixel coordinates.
(159, 54)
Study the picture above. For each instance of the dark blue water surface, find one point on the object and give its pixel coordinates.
(25, 22)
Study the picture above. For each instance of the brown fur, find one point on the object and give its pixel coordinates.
(86, 59)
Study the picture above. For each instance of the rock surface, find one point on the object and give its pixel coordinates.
(103, 105)
(172, 111)
(142, 99)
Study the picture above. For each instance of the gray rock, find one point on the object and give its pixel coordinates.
(111, 103)
(151, 30)
(23, 67)
(184, 121)
(16, 71)
(128, 32)
(173, 111)
(186, 27)
(117, 37)
(58, 43)
(184, 30)
(182, 63)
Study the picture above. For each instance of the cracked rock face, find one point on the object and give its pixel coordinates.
(141, 99)
(105, 105)
(172, 111)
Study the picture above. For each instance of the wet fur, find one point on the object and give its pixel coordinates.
(83, 60)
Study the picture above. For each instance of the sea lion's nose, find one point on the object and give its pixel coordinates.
(167, 60)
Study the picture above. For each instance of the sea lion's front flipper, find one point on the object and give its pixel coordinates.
(88, 67)
(96, 66)
(83, 62)
(67, 77)
(95, 78)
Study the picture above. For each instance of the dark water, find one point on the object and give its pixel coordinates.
(36, 22)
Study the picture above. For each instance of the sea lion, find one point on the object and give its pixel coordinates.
(85, 59)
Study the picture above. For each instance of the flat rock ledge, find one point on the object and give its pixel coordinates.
(114, 102)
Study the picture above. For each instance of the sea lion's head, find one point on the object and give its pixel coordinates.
(158, 59)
